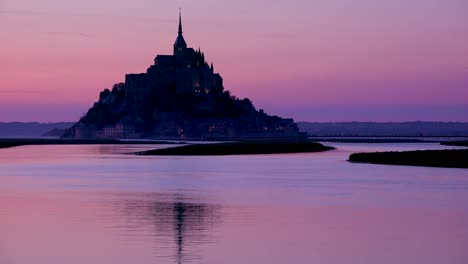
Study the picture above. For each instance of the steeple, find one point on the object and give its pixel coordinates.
(180, 21)
(180, 45)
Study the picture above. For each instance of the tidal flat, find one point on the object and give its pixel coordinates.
(451, 158)
(239, 148)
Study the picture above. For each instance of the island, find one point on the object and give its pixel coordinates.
(239, 148)
(180, 96)
(453, 158)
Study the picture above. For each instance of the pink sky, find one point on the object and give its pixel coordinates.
(334, 60)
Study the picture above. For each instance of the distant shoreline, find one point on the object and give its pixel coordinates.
(16, 142)
(371, 140)
(314, 129)
(389, 139)
(455, 143)
(385, 129)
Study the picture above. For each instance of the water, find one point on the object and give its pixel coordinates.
(97, 204)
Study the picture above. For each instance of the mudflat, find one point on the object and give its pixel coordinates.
(239, 148)
(456, 158)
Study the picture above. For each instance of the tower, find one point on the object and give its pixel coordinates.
(180, 45)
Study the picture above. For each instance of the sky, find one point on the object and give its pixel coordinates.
(312, 60)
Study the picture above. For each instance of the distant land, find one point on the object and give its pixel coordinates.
(341, 129)
(456, 143)
(33, 141)
(32, 129)
(390, 129)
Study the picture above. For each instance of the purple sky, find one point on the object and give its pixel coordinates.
(325, 60)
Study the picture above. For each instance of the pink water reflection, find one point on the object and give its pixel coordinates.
(94, 204)
(163, 228)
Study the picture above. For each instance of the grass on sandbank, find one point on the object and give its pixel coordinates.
(239, 148)
(455, 158)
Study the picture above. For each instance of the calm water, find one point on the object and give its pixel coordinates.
(96, 204)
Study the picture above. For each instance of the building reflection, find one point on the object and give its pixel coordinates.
(176, 223)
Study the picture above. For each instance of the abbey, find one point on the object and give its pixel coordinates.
(184, 72)
(179, 96)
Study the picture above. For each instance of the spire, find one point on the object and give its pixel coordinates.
(179, 45)
(180, 21)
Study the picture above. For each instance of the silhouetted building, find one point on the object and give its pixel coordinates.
(184, 72)
(179, 96)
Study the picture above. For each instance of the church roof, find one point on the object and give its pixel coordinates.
(180, 41)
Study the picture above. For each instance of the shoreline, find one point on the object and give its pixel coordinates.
(16, 142)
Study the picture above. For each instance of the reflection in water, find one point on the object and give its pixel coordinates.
(175, 222)
(81, 204)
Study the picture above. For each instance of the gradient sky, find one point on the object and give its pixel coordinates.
(322, 60)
